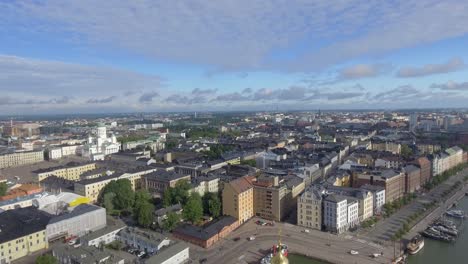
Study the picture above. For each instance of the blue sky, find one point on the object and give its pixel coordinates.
(114, 56)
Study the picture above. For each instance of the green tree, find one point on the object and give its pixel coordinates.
(124, 194)
(171, 221)
(3, 188)
(108, 201)
(193, 209)
(167, 197)
(46, 259)
(406, 151)
(141, 197)
(211, 204)
(180, 193)
(251, 162)
(145, 214)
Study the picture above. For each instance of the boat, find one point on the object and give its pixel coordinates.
(446, 223)
(448, 231)
(455, 213)
(415, 245)
(437, 235)
(354, 252)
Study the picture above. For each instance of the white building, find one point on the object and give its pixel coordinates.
(378, 193)
(335, 213)
(100, 145)
(353, 212)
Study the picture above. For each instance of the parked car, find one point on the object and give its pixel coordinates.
(251, 238)
(141, 254)
(306, 231)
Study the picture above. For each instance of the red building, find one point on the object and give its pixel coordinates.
(206, 236)
(425, 169)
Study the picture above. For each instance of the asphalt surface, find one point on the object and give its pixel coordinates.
(317, 244)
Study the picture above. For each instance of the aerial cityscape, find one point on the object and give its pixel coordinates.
(234, 132)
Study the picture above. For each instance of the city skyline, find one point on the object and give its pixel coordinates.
(107, 57)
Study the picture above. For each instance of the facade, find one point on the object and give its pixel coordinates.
(393, 182)
(159, 181)
(412, 178)
(309, 209)
(23, 232)
(389, 146)
(365, 201)
(273, 199)
(105, 235)
(446, 160)
(335, 213)
(20, 158)
(378, 194)
(71, 171)
(100, 145)
(352, 212)
(81, 220)
(425, 169)
(238, 199)
(203, 185)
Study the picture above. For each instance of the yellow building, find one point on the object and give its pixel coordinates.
(20, 158)
(71, 171)
(238, 199)
(91, 188)
(23, 232)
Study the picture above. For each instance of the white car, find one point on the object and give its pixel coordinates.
(306, 231)
(251, 238)
(140, 254)
(353, 252)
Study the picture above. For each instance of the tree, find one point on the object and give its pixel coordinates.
(46, 259)
(141, 197)
(406, 151)
(180, 193)
(145, 214)
(3, 188)
(211, 205)
(167, 197)
(171, 221)
(193, 209)
(108, 201)
(124, 194)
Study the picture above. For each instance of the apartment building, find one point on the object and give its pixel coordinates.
(91, 188)
(378, 195)
(446, 160)
(335, 213)
(393, 182)
(159, 181)
(21, 158)
(309, 209)
(274, 197)
(389, 146)
(70, 171)
(238, 199)
(208, 184)
(23, 232)
(425, 169)
(412, 178)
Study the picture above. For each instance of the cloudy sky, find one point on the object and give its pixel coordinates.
(151, 55)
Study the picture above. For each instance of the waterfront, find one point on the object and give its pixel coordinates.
(440, 252)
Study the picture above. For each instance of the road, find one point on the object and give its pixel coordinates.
(317, 244)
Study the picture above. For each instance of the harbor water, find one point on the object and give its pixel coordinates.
(435, 252)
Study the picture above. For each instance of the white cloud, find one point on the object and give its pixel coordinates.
(451, 85)
(361, 71)
(452, 65)
(54, 78)
(240, 35)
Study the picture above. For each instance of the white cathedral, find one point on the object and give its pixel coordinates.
(97, 147)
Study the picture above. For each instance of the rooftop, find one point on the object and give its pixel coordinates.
(21, 222)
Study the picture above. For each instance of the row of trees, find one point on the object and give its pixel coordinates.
(436, 180)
